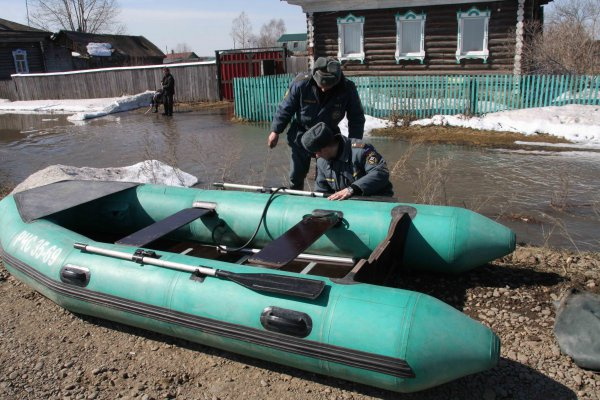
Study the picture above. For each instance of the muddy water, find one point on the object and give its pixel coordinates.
(547, 198)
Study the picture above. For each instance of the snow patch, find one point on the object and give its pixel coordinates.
(149, 171)
(577, 123)
(99, 49)
(370, 124)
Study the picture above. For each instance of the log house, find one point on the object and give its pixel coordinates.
(406, 37)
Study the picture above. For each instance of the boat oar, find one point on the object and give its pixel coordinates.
(282, 284)
(264, 189)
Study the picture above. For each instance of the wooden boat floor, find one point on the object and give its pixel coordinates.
(210, 252)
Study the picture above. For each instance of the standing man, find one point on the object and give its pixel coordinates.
(168, 86)
(324, 95)
(346, 167)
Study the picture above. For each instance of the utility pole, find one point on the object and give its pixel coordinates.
(27, 8)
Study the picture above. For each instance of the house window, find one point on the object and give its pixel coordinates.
(295, 45)
(351, 38)
(472, 34)
(20, 57)
(410, 36)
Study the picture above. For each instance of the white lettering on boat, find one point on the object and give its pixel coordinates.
(38, 248)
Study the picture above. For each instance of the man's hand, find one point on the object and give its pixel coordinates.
(341, 195)
(272, 141)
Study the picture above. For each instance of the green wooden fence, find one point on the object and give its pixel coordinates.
(256, 99)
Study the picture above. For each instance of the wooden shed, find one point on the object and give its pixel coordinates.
(242, 63)
(403, 37)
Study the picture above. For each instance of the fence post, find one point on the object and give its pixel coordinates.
(473, 109)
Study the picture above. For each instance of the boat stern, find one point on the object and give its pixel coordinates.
(444, 344)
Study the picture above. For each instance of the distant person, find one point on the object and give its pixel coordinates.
(323, 95)
(346, 167)
(168, 87)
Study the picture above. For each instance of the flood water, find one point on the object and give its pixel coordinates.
(547, 198)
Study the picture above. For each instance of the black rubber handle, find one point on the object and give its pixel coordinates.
(74, 276)
(286, 321)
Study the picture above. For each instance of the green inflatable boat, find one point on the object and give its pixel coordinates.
(293, 280)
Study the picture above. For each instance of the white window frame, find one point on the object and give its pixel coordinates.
(351, 19)
(400, 55)
(24, 69)
(472, 13)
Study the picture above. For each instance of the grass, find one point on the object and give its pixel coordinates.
(469, 137)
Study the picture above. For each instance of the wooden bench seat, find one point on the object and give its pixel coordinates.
(298, 238)
(165, 226)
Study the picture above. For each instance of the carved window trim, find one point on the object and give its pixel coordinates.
(347, 20)
(472, 14)
(20, 59)
(400, 19)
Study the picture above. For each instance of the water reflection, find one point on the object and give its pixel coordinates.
(550, 198)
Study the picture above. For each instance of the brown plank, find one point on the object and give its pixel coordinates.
(296, 240)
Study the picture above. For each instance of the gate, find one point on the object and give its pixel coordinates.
(241, 63)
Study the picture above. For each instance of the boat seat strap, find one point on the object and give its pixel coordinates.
(298, 238)
(165, 226)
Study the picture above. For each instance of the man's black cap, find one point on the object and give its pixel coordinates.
(317, 137)
(327, 72)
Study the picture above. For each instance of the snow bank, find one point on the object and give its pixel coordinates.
(125, 103)
(82, 108)
(577, 123)
(149, 171)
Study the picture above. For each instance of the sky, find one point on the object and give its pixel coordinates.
(204, 25)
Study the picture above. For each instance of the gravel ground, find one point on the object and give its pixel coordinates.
(49, 353)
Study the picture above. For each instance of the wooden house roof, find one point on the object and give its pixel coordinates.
(6, 25)
(349, 5)
(293, 37)
(132, 46)
(181, 56)
(14, 32)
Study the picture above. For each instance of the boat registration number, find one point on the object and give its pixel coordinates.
(38, 248)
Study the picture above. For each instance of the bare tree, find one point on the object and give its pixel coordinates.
(91, 16)
(241, 31)
(585, 13)
(566, 44)
(270, 32)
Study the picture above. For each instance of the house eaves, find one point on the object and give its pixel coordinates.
(349, 5)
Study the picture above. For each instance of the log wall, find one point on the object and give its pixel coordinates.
(441, 28)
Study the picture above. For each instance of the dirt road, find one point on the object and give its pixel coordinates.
(49, 353)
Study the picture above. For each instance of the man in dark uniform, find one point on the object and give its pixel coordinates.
(324, 95)
(168, 86)
(346, 167)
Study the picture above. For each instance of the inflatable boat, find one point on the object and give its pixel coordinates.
(293, 280)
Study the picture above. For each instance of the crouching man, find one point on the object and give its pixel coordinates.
(346, 167)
